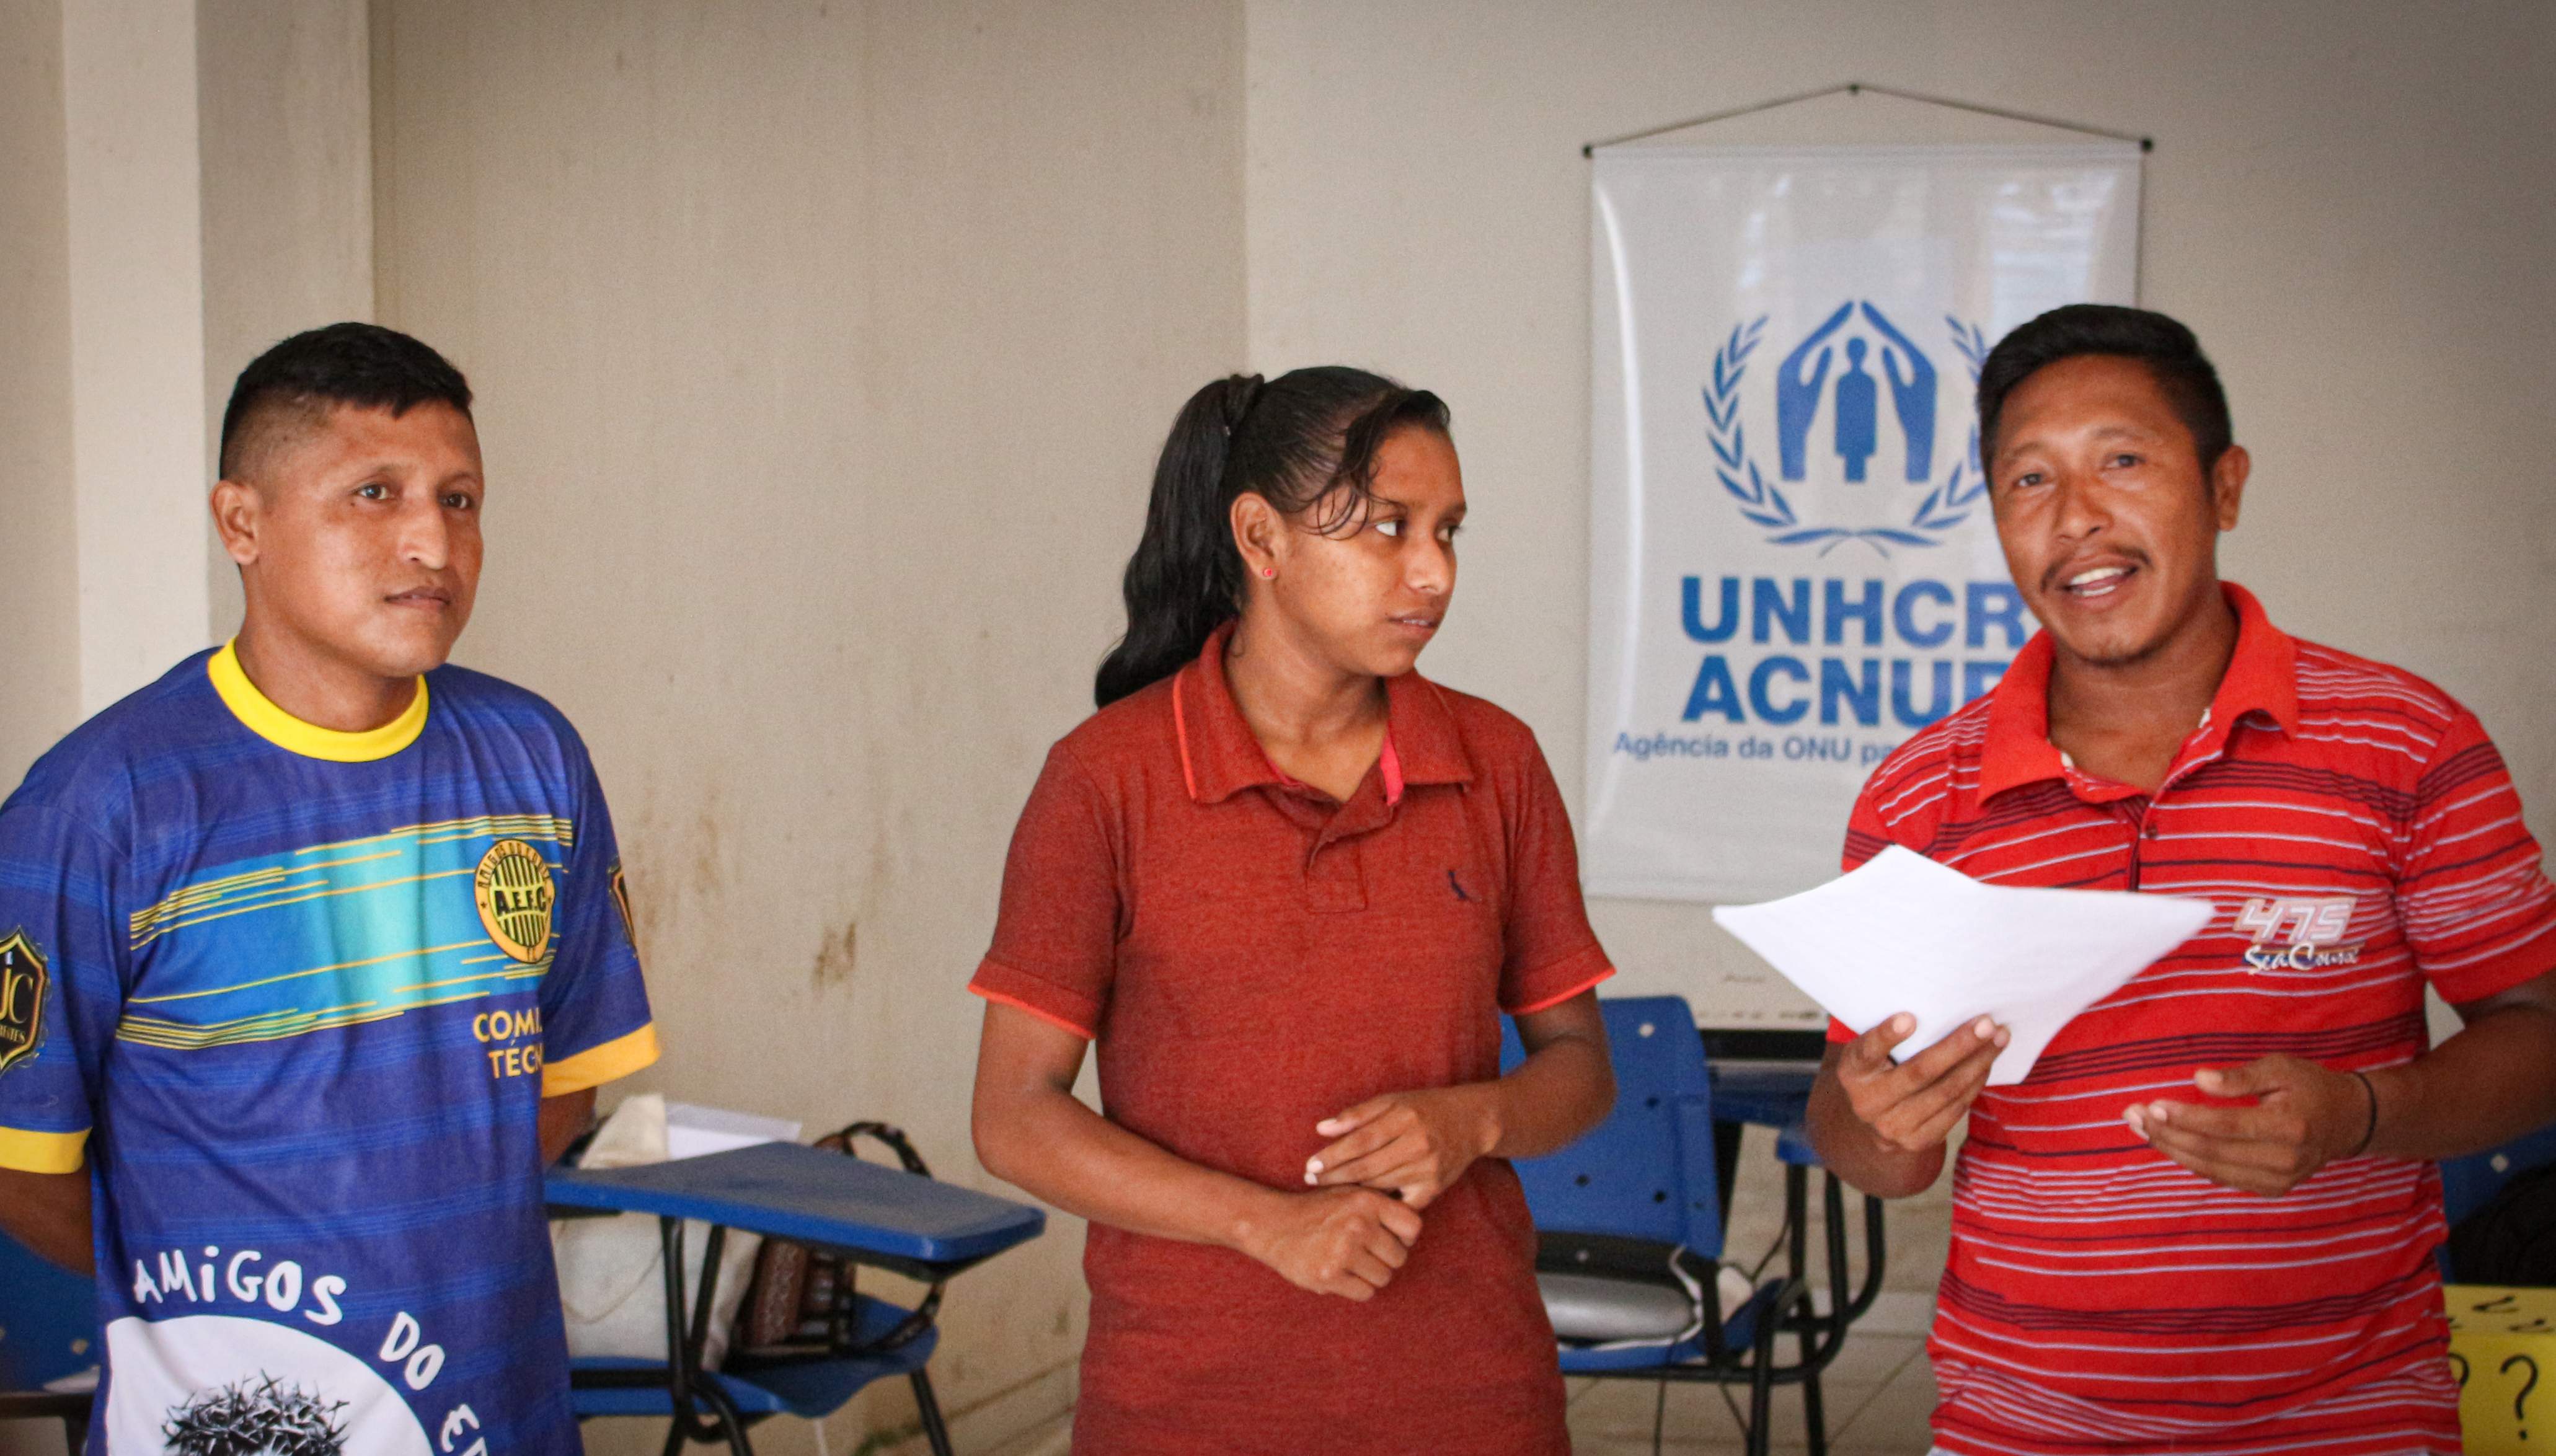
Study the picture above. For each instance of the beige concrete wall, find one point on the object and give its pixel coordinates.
(179, 185)
(285, 110)
(133, 217)
(2348, 201)
(822, 351)
(39, 643)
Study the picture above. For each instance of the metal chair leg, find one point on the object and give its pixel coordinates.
(930, 1411)
(1814, 1413)
(76, 1432)
(732, 1421)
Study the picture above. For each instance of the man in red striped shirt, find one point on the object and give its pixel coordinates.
(2206, 1221)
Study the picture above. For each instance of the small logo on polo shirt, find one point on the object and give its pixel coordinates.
(22, 999)
(513, 888)
(2297, 934)
(1459, 886)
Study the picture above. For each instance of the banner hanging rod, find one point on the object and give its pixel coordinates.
(1857, 88)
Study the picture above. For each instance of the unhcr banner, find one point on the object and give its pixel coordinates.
(1792, 568)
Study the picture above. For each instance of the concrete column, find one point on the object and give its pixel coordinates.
(284, 102)
(182, 184)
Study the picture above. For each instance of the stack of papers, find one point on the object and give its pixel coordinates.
(1905, 933)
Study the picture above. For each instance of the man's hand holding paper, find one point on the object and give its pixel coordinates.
(1911, 1106)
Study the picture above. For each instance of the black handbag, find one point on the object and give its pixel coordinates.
(801, 1303)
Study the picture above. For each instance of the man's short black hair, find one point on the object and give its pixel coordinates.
(360, 364)
(2166, 347)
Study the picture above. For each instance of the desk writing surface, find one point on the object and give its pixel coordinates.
(792, 1191)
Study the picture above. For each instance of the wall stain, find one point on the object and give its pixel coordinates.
(836, 956)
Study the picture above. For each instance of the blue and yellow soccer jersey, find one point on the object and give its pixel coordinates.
(294, 996)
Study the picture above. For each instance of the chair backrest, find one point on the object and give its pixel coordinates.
(1647, 1171)
(2470, 1184)
(48, 1320)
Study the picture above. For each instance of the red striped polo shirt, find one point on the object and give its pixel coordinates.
(2360, 837)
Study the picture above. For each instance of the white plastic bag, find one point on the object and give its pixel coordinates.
(612, 1271)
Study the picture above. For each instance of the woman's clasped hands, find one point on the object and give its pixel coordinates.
(1389, 1157)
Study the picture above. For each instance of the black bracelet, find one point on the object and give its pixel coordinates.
(2373, 1132)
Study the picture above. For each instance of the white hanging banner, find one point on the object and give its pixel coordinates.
(1791, 562)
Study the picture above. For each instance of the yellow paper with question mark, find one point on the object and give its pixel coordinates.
(2503, 1349)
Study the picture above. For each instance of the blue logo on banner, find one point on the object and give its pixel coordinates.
(1847, 360)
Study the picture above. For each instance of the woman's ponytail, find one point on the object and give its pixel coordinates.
(1185, 580)
(1293, 439)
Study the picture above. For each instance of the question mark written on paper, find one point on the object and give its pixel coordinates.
(2518, 1414)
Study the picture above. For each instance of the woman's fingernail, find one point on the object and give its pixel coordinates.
(1981, 1027)
(2003, 1037)
(1309, 1177)
(1313, 1165)
(1903, 1024)
(2138, 1123)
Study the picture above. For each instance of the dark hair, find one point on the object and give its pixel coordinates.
(2168, 349)
(360, 364)
(267, 1419)
(1304, 441)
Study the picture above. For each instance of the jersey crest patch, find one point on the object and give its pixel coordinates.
(621, 902)
(515, 893)
(22, 999)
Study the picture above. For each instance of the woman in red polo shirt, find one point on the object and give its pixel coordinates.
(1288, 887)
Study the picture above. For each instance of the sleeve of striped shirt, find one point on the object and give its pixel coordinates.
(60, 985)
(2474, 901)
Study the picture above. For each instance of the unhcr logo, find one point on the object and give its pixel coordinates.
(1830, 395)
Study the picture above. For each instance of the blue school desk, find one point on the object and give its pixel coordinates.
(863, 1212)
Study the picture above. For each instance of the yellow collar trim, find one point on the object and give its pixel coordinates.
(261, 716)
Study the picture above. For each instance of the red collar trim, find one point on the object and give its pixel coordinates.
(1220, 758)
(2263, 677)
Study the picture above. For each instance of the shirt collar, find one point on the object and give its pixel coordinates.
(2263, 677)
(1219, 756)
(261, 716)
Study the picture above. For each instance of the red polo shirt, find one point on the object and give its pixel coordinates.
(2359, 837)
(1250, 957)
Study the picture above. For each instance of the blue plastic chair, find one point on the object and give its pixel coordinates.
(1613, 1209)
(2471, 1182)
(48, 1332)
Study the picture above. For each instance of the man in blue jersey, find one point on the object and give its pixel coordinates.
(312, 955)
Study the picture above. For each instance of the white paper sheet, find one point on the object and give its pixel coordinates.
(695, 1131)
(1905, 933)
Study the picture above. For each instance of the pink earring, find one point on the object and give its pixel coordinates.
(1269, 572)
